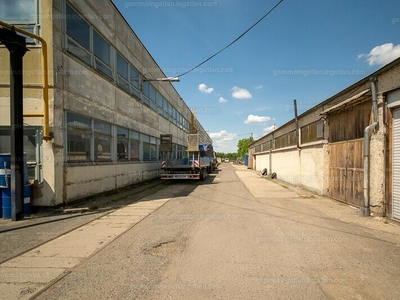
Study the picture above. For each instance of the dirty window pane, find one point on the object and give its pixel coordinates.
(21, 11)
(134, 135)
(134, 77)
(122, 143)
(122, 132)
(122, 83)
(103, 68)
(78, 138)
(146, 151)
(146, 88)
(152, 94)
(78, 52)
(102, 147)
(101, 48)
(32, 145)
(122, 149)
(77, 28)
(134, 150)
(78, 146)
(153, 152)
(102, 127)
(145, 138)
(78, 122)
(122, 66)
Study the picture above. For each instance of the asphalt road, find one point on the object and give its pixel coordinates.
(240, 236)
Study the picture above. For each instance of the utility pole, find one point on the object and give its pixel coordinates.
(16, 45)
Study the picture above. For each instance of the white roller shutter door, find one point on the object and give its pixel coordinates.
(396, 164)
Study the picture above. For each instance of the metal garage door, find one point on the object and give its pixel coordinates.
(396, 164)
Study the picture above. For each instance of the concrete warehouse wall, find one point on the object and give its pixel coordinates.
(298, 167)
(77, 87)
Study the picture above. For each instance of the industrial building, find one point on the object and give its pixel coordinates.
(93, 116)
(346, 147)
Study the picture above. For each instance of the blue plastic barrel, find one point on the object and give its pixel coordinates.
(6, 205)
(27, 199)
(246, 160)
(6, 158)
(5, 177)
(6, 201)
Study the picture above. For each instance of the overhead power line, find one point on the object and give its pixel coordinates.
(234, 41)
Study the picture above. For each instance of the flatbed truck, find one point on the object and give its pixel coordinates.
(195, 163)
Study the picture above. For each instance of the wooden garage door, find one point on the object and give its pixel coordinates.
(346, 173)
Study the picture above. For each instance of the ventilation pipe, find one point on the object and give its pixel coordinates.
(365, 210)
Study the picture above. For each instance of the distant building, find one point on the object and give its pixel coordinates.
(106, 112)
(325, 153)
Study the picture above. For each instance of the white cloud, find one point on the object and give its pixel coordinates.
(223, 136)
(269, 129)
(381, 55)
(204, 89)
(259, 87)
(240, 93)
(257, 119)
(222, 100)
(224, 141)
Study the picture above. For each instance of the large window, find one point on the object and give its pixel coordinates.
(102, 141)
(79, 138)
(153, 98)
(134, 81)
(146, 146)
(87, 44)
(160, 104)
(78, 31)
(93, 140)
(122, 143)
(32, 149)
(102, 51)
(153, 148)
(122, 71)
(24, 13)
(149, 147)
(134, 143)
(78, 28)
(146, 93)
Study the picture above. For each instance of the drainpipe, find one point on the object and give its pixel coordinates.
(270, 160)
(296, 124)
(45, 114)
(365, 210)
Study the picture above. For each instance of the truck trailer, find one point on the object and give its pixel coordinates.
(194, 163)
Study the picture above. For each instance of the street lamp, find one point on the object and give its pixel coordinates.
(165, 79)
(169, 79)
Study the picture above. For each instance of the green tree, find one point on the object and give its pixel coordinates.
(243, 146)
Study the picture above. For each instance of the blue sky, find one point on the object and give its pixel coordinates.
(306, 50)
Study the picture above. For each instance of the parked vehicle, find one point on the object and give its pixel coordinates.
(226, 160)
(195, 163)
